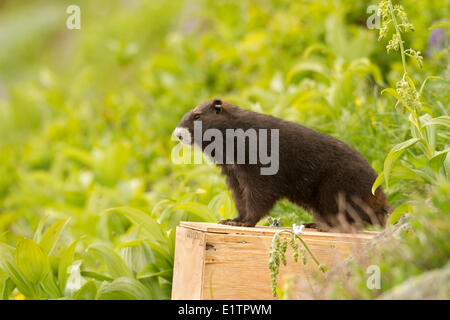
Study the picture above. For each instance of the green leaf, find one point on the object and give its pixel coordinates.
(6, 254)
(96, 275)
(64, 263)
(152, 270)
(398, 172)
(441, 24)
(446, 167)
(52, 235)
(393, 155)
(198, 210)
(160, 251)
(87, 292)
(378, 182)
(132, 243)
(430, 134)
(38, 233)
(8, 287)
(151, 229)
(442, 120)
(123, 289)
(307, 67)
(31, 261)
(116, 266)
(398, 213)
(8, 265)
(437, 161)
(49, 285)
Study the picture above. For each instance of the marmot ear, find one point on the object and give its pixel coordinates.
(217, 104)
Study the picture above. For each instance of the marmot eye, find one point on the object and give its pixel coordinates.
(197, 116)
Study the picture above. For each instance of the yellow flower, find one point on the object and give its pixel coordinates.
(358, 102)
(222, 210)
(20, 297)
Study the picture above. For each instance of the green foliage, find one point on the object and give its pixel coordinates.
(423, 127)
(88, 191)
(423, 248)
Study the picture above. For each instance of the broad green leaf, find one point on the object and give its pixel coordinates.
(6, 254)
(64, 263)
(393, 155)
(8, 265)
(151, 229)
(316, 47)
(399, 172)
(96, 275)
(364, 66)
(398, 213)
(442, 120)
(51, 236)
(132, 243)
(123, 289)
(441, 24)
(446, 167)
(49, 285)
(430, 135)
(23, 285)
(378, 182)
(116, 266)
(171, 237)
(38, 233)
(306, 67)
(437, 161)
(427, 174)
(198, 210)
(87, 292)
(8, 287)
(152, 270)
(161, 251)
(222, 205)
(31, 261)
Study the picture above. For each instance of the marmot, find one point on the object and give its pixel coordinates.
(328, 178)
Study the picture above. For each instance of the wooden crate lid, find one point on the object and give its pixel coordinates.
(269, 231)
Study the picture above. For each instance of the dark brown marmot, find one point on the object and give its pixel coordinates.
(328, 178)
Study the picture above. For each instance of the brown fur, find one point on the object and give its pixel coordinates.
(325, 176)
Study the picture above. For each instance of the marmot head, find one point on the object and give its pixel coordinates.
(211, 114)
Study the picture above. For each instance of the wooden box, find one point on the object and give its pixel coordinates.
(232, 262)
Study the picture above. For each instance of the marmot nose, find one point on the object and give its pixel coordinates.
(182, 134)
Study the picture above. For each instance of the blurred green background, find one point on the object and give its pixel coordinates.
(86, 118)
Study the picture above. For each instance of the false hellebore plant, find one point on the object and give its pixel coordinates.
(423, 126)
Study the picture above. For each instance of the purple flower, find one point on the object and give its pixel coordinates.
(437, 41)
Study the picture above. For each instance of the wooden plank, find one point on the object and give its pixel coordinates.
(268, 231)
(188, 265)
(215, 261)
(236, 266)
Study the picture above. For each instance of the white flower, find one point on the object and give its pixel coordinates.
(75, 281)
(298, 229)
